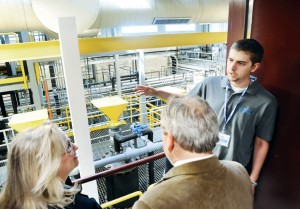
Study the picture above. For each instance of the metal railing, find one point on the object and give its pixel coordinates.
(117, 170)
(121, 199)
(120, 168)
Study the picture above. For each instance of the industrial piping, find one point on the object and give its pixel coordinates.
(128, 154)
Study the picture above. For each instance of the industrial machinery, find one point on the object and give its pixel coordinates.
(127, 181)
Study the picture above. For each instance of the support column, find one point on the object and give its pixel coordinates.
(3, 109)
(54, 90)
(141, 64)
(33, 85)
(14, 101)
(118, 76)
(75, 91)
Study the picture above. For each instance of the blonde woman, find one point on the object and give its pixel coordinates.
(39, 162)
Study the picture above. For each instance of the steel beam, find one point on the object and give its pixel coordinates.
(93, 46)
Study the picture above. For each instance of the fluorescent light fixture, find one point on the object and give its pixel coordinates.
(180, 27)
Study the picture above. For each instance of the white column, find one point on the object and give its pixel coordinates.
(34, 86)
(141, 68)
(118, 76)
(75, 91)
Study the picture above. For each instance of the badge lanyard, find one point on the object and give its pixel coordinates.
(226, 120)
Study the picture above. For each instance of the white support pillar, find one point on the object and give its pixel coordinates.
(34, 86)
(75, 91)
(118, 76)
(141, 68)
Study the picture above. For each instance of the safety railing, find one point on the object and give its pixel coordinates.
(152, 114)
(6, 135)
(132, 107)
(117, 170)
(19, 79)
(121, 199)
(64, 121)
(120, 168)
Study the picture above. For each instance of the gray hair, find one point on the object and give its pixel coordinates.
(192, 122)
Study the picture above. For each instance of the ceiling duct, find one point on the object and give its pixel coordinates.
(26, 15)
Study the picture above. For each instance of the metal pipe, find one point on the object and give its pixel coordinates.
(118, 139)
(118, 75)
(151, 170)
(2, 105)
(47, 99)
(141, 72)
(149, 132)
(120, 168)
(14, 101)
(128, 154)
(123, 78)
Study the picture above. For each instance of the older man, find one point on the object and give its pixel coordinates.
(198, 179)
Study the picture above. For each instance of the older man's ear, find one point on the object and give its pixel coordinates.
(170, 141)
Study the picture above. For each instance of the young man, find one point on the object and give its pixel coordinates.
(246, 111)
(198, 179)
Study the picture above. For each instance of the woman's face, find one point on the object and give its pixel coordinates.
(69, 160)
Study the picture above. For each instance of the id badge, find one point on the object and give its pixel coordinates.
(224, 139)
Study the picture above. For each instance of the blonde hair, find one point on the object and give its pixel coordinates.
(34, 159)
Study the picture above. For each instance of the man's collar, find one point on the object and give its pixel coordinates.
(224, 82)
(193, 167)
(180, 162)
(252, 89)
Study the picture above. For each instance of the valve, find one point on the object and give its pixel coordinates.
(137, 128)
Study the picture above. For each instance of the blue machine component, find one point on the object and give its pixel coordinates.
(137, 128)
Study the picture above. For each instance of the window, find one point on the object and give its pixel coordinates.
(132, 4)
(140, 29)
(180, 27)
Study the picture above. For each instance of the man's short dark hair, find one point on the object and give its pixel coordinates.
(250, 46)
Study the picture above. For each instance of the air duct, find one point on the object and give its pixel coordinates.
(42, 15)
(113, 14)
(92, 15)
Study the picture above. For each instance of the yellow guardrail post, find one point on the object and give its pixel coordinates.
(37, 72)
(25, 84)
(121, 199)
(68, 120)
(131, 108)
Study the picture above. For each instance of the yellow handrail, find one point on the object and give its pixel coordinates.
(25, 85)
(20, 79)
(121, 199)
(153, 115)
